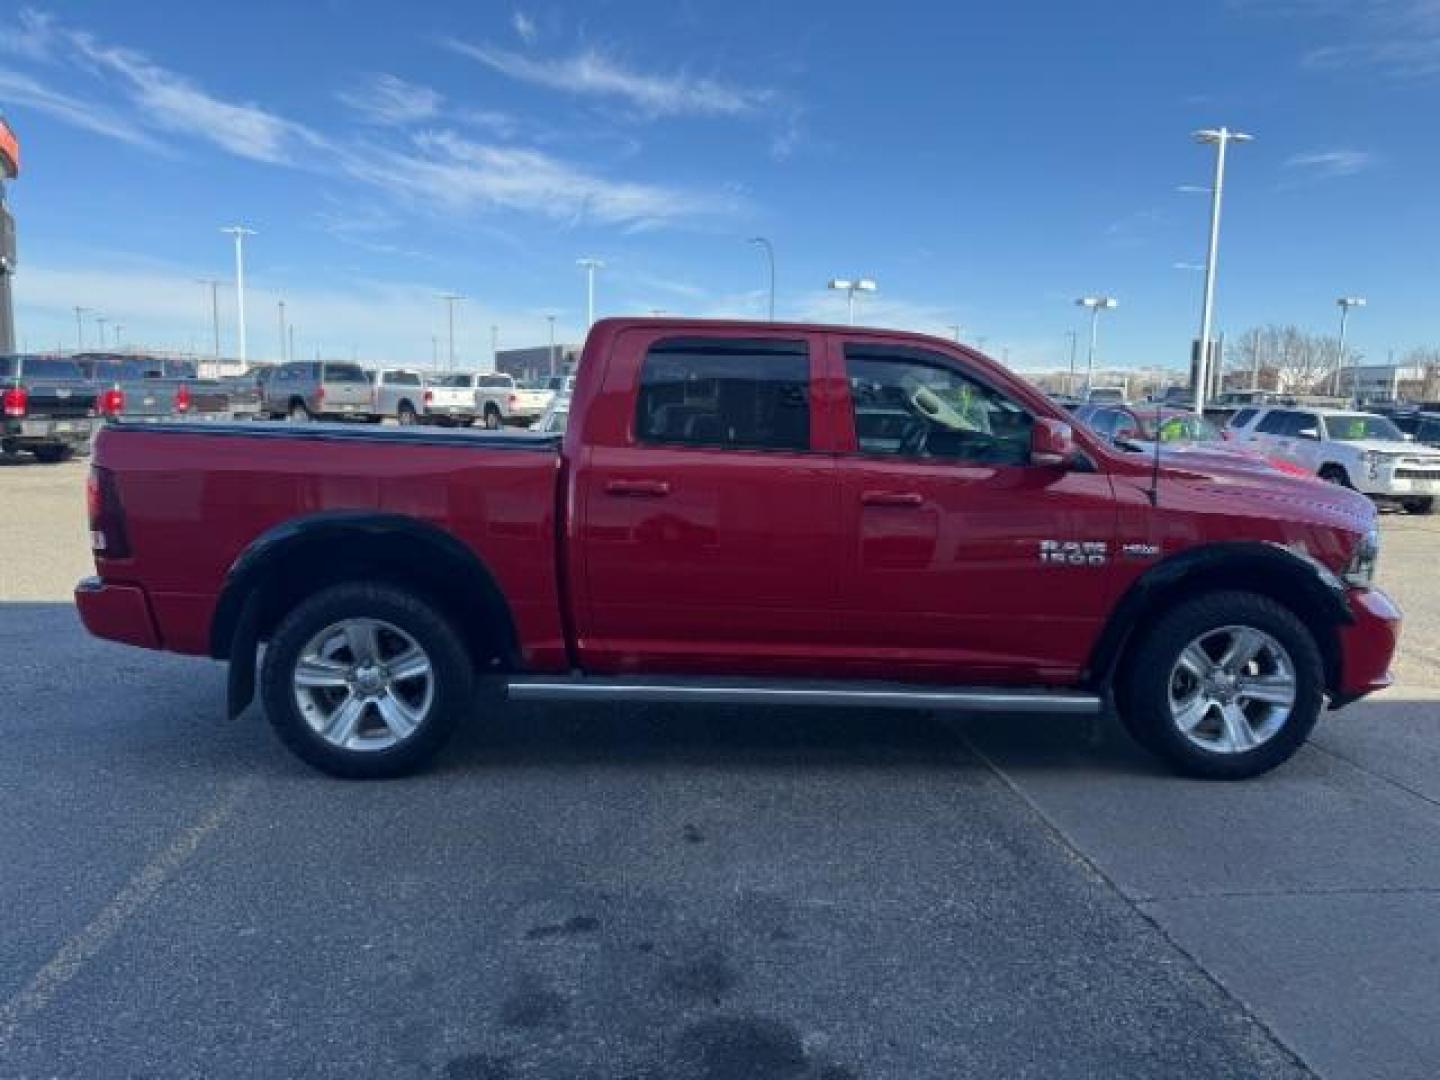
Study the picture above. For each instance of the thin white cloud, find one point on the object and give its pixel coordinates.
(524, 27)
(391, 101)
(22, 91)
(1331, 163)
(29, 35)
(591, 73)
(1399, 38)
(171, 102)
(453, 173)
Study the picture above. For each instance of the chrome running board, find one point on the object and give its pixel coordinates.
(786, 692)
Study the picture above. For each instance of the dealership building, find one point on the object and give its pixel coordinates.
(538, 362)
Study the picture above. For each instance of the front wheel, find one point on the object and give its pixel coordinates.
(299, 414)
(366, 681)
(492, 418)
(1226, 686)
(407, 416)
(1419, 506)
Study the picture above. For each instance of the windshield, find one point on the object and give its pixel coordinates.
(1186, 427)
(1356, 427)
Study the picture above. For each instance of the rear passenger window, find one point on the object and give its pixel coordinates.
(1243, 417)
(739, 394)
(344, 373)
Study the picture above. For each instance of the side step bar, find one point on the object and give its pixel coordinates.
(785, 692)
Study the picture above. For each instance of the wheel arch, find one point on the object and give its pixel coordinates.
(1290, 577)
(298, 557)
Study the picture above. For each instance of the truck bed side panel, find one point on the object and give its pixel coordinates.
(195, 500)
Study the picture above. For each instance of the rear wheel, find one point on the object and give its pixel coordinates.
(299, 414)
(492, 418)
(1419, 506)
(1225, 686)
(407, 414)
(51, 455)
(366, 681)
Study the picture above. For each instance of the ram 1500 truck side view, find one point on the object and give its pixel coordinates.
(742, 512)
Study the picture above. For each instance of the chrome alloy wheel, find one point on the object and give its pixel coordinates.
(1232, 689)
(363, 684)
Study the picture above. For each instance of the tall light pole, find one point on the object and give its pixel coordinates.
(762, 242)
(1070, 382)
(1345, 303)
(214, 285)
(551, 320)
(80, 313)
(239, 232)
(1221, 138)
(290, 341)
(590, 265)
(850, 286)
(450, 300)
(100, 321)
(435, 352)
(1096, 304)
(494, 346)
(283, 355)
(117, 328)
(954, 329)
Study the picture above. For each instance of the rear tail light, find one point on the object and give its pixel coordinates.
(429, 396)
(514, 400)
(15, 401)
(111, 402)
(182, 398)
(107, 516)
(319, 395)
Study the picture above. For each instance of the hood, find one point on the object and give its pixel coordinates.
(1238, 481)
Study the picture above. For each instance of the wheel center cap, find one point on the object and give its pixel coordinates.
(369, 680)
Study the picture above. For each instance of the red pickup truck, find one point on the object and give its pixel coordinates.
(742, 512)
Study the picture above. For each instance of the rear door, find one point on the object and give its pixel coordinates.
(963, 562)
(707, 510)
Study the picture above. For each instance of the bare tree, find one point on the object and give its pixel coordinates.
(1286, 357)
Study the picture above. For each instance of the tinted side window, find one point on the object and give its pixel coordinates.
(1305, 425)
(1243, 417)
(489, 381)
(1428, 431)
(738, 394)
(909, 403)
(1277, 422)
(1104, 421)
(402, 378)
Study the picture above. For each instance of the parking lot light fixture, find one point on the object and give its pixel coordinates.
(589, 265)
(1345, 303)
(769, 248)
(850, 286)
(1096, 304)
(239, 232)
(451, 299)
(1220, 138)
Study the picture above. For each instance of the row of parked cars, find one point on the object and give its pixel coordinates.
(50, 406)
(1394, 459)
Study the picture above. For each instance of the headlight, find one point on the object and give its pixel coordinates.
(1361, 569)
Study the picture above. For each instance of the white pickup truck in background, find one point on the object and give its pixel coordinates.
(450, 398)
(500, 400)
(1355, 449)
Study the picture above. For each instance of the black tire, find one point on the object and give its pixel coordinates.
(492, 418)
(450, 665)
(1419, 506)
(298, 413)
(1336, 474)
(52, 455)
(1143, 698)
(406, 414)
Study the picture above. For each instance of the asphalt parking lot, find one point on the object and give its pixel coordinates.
(644, 892)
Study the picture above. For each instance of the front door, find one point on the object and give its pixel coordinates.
(708, 520)
(964, 563)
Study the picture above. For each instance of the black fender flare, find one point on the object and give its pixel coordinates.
(237, 626)
(1283, 566)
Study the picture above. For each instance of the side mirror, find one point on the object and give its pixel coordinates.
(1052, 442)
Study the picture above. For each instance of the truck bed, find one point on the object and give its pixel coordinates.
(199, 495)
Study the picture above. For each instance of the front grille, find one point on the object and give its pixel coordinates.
(1417, 474)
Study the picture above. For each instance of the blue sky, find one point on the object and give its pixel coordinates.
(986, 164)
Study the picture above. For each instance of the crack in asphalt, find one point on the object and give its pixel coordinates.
(1092, 867)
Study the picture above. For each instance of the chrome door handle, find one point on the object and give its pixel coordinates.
(638, 489)
(892, 498)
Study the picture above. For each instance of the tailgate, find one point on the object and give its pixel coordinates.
(452, 399)
(59, 400)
